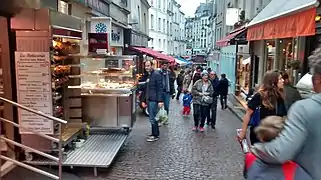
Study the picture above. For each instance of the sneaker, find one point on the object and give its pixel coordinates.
(152, 138)
(202, 129)
(148, 134)
(194, 128)
(213, 127)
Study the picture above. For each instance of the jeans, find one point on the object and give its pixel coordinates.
(213, 110)
(178, 94)
(200, 113)
(223, 99)
(166, 98)
(153, 110)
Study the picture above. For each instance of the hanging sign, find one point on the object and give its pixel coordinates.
(33, 78)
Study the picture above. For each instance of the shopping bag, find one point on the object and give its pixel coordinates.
(162, 116)
(255, 118)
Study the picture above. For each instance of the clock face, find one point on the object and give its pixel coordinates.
(101, 28)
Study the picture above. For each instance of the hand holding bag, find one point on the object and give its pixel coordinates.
(207, 99)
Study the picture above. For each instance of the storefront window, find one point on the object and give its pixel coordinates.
(286, 53)
(243, 73)
(270, 45)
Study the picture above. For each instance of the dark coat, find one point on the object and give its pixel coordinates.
(216, 84)
(197, 76)
(223, 86)
(154, 87)
(179, 80)
(172, 78)
(291, 94)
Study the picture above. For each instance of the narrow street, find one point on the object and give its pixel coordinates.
(179, 154)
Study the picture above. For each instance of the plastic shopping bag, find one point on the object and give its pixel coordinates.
(162, 116)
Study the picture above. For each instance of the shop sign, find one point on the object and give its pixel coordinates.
(33, 78)
(100, 25)
(116, 36)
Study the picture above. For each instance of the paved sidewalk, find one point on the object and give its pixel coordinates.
(235, 107)
(178, 155)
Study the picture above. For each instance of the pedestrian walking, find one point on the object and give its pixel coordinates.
(268, 130)
(223, 88)
(179, 82)
(211, 118)
(154, 96)
(187, 101)
(197, 74)
(202, 93)
(291, 94)
(168, 79)
(187, 82)
(267, 101)
(300, 139)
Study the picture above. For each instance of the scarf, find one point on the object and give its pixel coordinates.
(166, 81)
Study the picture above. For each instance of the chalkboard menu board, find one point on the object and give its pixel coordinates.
(112, 63)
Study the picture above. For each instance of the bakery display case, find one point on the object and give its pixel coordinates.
(107, 89)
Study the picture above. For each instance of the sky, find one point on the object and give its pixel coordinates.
(189, 6)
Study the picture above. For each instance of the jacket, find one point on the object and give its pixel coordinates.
(179, 80)
(197, 76)
(187, 100)
(291, 94)
(187, 81)
(197, 90)
(216, 82)
(172, 78)
(223, 86)
(300, 139)
(256, 169)
(154, 87)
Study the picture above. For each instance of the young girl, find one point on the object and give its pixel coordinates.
(187, 101)
(268, 129)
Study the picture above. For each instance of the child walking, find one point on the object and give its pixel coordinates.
(187, 101)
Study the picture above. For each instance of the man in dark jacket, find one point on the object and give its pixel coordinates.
(179, 82)
(223, 89)
(168, 84)
(154, 96)
(197, 75)
(215, 83)
(291, 94)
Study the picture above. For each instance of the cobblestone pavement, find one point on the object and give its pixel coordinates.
(179, 153)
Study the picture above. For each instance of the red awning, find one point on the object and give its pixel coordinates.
(153, 53)
(226, 40)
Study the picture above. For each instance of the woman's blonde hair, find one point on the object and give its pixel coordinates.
(269, 90)
(269, 128)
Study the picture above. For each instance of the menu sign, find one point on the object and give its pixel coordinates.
(33, 77)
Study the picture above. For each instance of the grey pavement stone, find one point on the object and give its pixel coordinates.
(235, 107)
(178, 154)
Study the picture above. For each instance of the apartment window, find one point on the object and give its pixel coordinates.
(159, 24)
(164, 5)
(205, 45)
(138, 11)
(167, 27)
(63, 7)
(145, 23)
(152, 2)
(152, 42)
(159, 43)
(164, 25)
(152, 21)
(159, 4)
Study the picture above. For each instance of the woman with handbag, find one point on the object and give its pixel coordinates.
(267, 101)
(202, 92)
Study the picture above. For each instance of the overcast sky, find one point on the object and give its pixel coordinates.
(189, 6)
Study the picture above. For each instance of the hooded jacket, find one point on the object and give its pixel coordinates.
(299, 141)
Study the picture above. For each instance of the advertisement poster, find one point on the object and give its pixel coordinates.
(33, 75)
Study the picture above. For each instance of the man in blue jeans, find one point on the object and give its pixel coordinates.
(168, 79)
(154, 97)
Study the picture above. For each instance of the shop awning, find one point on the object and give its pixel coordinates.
(226, 40)
(153, 53)
(284, 19)
(182, 61)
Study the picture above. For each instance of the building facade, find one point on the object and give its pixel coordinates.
(198, 29)
(165, 19)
